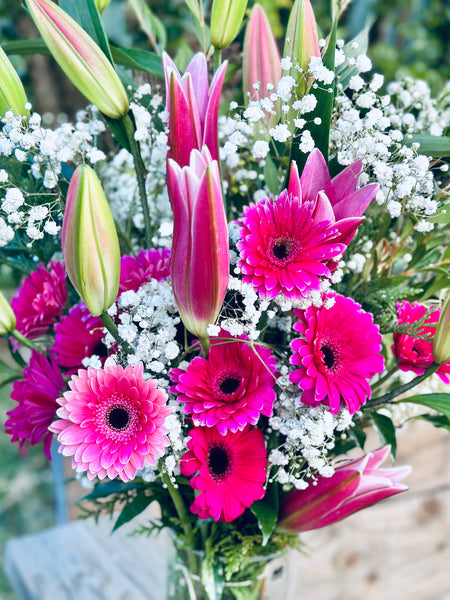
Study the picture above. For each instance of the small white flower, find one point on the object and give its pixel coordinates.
(280, 132)
(260, 149)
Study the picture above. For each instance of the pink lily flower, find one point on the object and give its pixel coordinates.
(355, 485)
(200, 257)
(192, 107)
(338, 200)
(261, 60)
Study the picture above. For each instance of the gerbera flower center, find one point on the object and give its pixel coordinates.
(283, 250)
(118, 417)
(100, 350)
(229, 385)
(328, 356)
(219, 463)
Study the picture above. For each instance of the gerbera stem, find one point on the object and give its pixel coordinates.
(111, 327)
(141, 175)
(25, 341)
(179, 507)
(389, 374)
(403, 388)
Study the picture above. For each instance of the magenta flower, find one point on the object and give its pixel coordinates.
(415, 354)
(112, 421)
(148, 264)
(339, 351)
(231, 471)
(230, 388)
(200, 258)
(354, 485)
(40, 300)
(78, 335)
(36, 396)
(192, 107)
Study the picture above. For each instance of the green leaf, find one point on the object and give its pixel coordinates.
(386, 430)
(439, 402)
(436, 420)
(26, 47)
(111, 487)
(131, 509)
(143, 60)
(149, 23)
(85, 13)
(358, 45)
(7, 374)
(266, 512)
(271, 175)
(442, 217)
(429, 258)
(194, 8)
(431, 145)
(358, 435)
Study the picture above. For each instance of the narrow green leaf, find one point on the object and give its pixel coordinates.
(7, 374)
(85, 13)
(439, 402)
(358, 435)
(429, 258)
(26, 47)
(271, 175)
(358, 45)
(111, 487)
(442, 217)
(143, 60)
(431, 145)
(386, 430)
(149, 23)
(194, 8)
(266, 511)
(131, 509)
(440, 421)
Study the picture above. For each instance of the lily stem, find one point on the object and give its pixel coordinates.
(141, 174)
(25, 341)
(217, 58)
(387, 398)
(111, 327)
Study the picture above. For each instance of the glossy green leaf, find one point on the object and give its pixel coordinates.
(358, 435)
(431, 145)
(355, 47)
(149, 23)
(386, 430)
(26, 47)
(194, 7)
(439, 402)
(271, 175)
(143, 60)
(111, 487)
(440, 421)
(131, 509)
(266, 512)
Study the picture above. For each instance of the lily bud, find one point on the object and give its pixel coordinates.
(226, 19)
(12, 94)
(7, 316)
(200, 258)
(89, 242)
(261, 62)
(441, 341)
(354, 485)
(102, 4)
(80, 58)
(302, 42)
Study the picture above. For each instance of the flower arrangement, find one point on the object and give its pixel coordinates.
(212, 314)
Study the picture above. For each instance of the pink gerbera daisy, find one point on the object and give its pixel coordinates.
(416, 354)
(230, 388)
(148, 264)
(36, 396)
(40, 300)
(339, 351)
(285, 246)
(78, 335)
(231, 471)
(112, 421)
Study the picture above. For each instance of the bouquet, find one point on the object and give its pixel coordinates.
(218, 298)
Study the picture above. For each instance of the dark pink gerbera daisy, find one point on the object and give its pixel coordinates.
(231, 471)
(40, 300)
(339, 351)
(78, 335)
(285, 246)
(415, 354)
(36, 396)
(230, 388)
(112, 421)
(148, 264)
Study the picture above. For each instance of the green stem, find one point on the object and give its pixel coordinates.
(179, 507)
(205, 345)
(111, 327)
(387, 398)
(217, 58)
(141, 174)
(202, 25)
(25, 341)
(380, 382)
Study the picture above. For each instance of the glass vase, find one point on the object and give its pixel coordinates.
(190, 577)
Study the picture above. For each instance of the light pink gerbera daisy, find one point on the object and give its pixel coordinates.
(339, 351)
(231, 471)
(112, 421)
(36, 396)
(230, 388)
(416, 354)
(78, 335)
(40, 300)
(148, 264)
(285, 246)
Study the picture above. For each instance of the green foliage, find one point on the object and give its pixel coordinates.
(266, 512)
(438, 402)
(386, 430)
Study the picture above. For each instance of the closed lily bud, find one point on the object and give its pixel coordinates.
(102, 4)
(200, 258)
(80, 58)
(12, 94)
(226, 19)
(261, 61)
(441, 342)
(7, 316)
(89, 242)
(302, 42)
